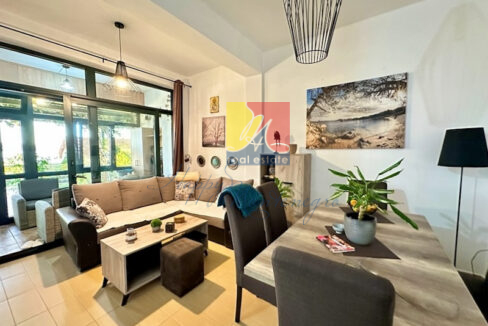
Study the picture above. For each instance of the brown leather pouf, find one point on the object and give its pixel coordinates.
(182, 266)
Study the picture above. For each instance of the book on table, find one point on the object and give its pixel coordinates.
(335, 244)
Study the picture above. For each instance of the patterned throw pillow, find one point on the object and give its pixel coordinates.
(89, 209)
(185, 190)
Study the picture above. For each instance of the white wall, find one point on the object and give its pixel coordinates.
(230, 87)
(443, 46)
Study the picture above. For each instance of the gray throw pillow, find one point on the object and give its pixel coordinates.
(89, 209)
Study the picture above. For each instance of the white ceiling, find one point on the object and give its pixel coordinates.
(263, 21)
(175, 38)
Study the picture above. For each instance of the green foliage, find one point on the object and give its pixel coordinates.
(285, 191)
(14, 165)
(363, 193)
(156, 222)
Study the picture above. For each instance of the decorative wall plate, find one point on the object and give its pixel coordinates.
(232, 162)
(215, 161)
(201, 160)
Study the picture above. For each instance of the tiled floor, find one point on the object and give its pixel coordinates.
(47, 289)
(12, 238)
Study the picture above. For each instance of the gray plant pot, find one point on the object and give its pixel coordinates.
(360, 232)
(156, 229)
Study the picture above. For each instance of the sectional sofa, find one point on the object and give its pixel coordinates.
(134, 203)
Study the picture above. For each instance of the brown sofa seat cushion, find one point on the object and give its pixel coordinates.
(138, 193)
(208, 189)
(167, 188)
(226, 182)
(106, 195)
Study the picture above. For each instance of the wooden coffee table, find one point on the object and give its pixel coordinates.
(129, 266)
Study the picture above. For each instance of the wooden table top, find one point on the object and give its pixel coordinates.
(146, 238)
(429, 290)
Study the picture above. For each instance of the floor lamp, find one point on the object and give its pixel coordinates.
(464, 148)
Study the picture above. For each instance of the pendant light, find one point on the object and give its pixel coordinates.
(66, 84)
(120, 84)
(312, 24)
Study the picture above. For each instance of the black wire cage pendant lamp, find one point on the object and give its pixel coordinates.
(312, 24)
(120, 83)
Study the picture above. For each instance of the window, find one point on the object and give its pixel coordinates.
(10, 103)
(11, 137)
(31, 70)
(147, 96)
(50, 140)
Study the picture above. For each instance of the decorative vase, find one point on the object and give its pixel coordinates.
(293, 148)
(156, 228)
(361, 232)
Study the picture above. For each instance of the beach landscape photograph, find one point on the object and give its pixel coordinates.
(362, 114)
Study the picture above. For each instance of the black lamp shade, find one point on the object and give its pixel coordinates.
(464, 148)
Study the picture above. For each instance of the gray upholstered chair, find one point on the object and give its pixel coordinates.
(274, 215)
(24, 203)
(47, 219)
(248, 240)
(311, 290)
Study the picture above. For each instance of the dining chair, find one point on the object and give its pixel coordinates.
(248, 240)
(274, 215)
(311, 290)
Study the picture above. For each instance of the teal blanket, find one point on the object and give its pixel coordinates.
(247, 198)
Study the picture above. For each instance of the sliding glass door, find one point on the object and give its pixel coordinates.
(113, 142)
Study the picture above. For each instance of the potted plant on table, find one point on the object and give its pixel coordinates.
(364, 198)
(156, 225)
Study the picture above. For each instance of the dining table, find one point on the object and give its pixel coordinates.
(428, 288)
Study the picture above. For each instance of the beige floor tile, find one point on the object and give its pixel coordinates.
(56, 294)
(169, 322)
(88, 281)
(3, 297)
(9, 249)
(17, 284)
(7, 239)
(43, 319)
(120, 316)
(6, 318)
(101, 302)
(10, 269)
(187, 317)
(70, 313)
(26, 305)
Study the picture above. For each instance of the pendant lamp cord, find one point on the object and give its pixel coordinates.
(120, 46)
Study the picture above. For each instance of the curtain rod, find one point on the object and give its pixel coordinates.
(86, 52)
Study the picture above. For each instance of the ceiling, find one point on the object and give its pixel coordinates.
(169, 37)
(263, 21)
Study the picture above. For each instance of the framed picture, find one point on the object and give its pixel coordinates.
(214, 104)
(362, 114)
(213, 131)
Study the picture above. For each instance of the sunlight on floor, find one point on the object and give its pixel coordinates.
(47, 289)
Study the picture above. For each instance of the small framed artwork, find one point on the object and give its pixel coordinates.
(214, 104)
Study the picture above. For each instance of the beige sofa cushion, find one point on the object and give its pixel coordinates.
(126, 218)
(139, 193)
(208, 189)
(187, 176)
(226, 182)
(167, 188)
(106, 195)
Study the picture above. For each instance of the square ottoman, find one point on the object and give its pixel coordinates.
(182, 266)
